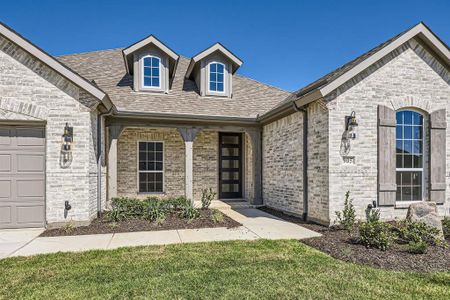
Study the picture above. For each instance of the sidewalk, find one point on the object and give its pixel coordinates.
(256, 225)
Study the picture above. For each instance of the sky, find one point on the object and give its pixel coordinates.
(287, 44)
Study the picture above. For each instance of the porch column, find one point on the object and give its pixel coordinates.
(113, 135)
(255, 138)
(189, 135)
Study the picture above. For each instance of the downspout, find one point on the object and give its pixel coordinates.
(99, 160)
(305, 158)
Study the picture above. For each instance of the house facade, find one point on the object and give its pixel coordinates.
(78, 130)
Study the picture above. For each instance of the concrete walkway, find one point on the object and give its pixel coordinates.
(256, 225)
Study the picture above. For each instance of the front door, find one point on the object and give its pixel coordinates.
(230, 165)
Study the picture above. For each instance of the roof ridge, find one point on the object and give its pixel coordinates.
(266, 84)
(88, 52)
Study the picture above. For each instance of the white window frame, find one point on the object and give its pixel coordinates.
(143, 76)
(151, 171)
(422, 170)
(209, 78)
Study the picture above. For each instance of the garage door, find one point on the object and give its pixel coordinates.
(22, 176)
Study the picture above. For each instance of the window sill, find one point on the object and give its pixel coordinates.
(151, 193)
(405, 204)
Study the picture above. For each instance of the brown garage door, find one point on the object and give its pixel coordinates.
(22, 176)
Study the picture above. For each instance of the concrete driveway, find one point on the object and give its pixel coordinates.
(256, 224)
(12, 240)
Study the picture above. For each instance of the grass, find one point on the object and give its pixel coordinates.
(234, 270)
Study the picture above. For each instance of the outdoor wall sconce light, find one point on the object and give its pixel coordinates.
(67, 140)
(351, 125)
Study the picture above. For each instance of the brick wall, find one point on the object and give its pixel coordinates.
(283, 164)
(205, 161)
(407, 77)
(29, 90)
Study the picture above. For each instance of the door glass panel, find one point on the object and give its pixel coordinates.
(230, 151)
(230, 175)
(230, 139)
(230, 163)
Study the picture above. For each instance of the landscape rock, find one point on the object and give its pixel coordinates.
(425, 212)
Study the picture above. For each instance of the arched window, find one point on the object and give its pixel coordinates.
(151, 72)
(216, 77)
(410, 145)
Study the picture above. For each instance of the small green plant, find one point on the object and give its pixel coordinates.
(347, 217)
(409, 231)
(178, 202)
(376, 234)
(155, 209)
(372, 215)
(189, 212)
(124, 208)
(216, 216)
(446, 227)
(419, 247)
(68, 227)
(113, 225)
(208, 196)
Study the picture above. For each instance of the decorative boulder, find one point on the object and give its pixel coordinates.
(425, 212)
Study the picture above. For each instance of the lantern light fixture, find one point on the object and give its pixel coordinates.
(351, 125)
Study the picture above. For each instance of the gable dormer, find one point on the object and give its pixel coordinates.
(152, 65)
(213, 69)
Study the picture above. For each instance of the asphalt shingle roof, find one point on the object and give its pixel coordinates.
(107, 69)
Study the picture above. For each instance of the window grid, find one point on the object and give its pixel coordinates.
(151, 71)
(409, 156)
(151, 167)
(216, 77)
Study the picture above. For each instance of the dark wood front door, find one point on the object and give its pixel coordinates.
(230, 165)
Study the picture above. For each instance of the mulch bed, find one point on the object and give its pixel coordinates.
(172, 221)
(339, 244)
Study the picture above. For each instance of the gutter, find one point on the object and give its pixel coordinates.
(99, 158)
(186, 117)
(304, 110)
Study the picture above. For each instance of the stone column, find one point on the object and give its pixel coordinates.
(189, 135)
(114, 133)
(255, 138)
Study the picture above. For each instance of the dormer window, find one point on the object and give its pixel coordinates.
(151, 72)
(212, 70)
(152, 65)
(216, 77)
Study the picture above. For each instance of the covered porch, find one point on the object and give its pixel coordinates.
(154, 157)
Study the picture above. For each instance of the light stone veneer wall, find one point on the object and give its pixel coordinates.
(408, 77)
(318, 160)
(283, 164)
(31, 91)
(205, 161)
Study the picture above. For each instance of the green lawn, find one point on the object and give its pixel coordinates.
(259, 269)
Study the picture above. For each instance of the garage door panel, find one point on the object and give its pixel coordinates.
(30, 163)
(5, 136)
(5, 189)
(30, 214)
(22, 176)
(30, 136)
(30, 188)
(5, 163)
(5, 214)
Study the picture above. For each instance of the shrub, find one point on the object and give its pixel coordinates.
(372, 215)
(216, 216)
(123, 208)
(68, 227)
(417, 232)
(347, 217)
(446, 227)
(207, 196)
(189, 212)
(155, 209)
(376, 234)
(178, 202)
(420, 247)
